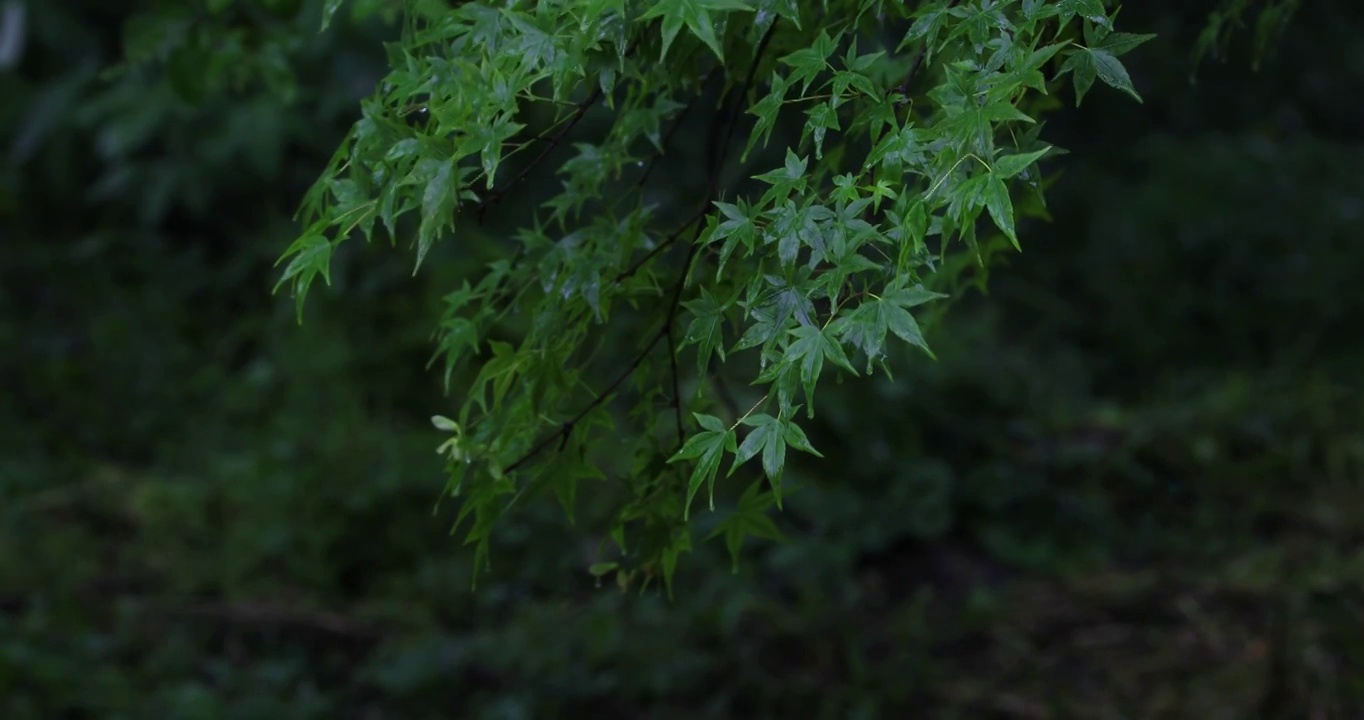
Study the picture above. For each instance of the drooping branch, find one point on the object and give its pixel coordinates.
(732, 121)
(495, 196)
(677, 123)
(722, 129)
(663, 244)
(713, 162)
(674, 306)
(566, 428)
(677, 384)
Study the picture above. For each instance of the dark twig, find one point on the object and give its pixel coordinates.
(726, 397)
(903, 89)
(673, 307)
(914, 64)
(716, 161)
(733, 119)
(712, 162)
(496, 195)
(677, 385)
(565, 429)
(677, 123)
(663, 244)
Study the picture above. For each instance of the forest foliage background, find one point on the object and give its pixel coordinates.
(1128, 487)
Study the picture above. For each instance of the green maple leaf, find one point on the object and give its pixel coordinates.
(696, 15)
(312, 255)
(707, 448)
(748, 520)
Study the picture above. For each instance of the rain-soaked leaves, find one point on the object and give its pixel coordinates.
(697, 229)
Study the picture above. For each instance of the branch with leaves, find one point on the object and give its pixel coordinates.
(881, 137)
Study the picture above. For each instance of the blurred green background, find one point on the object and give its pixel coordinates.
(1130, 487)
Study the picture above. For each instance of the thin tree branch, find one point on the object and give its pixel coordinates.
(726, 397)
(712, 189)
(712, 164)
(903, 89)
(914, 64)
(717, 160)
(496, 195)
(673, 307)
(677, 385)
(677, 123)
(663, 244)
(566, 428)
(665, 332)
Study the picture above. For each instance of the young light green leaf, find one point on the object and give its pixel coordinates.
(911, 297)
(709, 422)
(812, 346)
(766, 111)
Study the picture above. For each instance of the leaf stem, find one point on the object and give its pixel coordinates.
(756, 405)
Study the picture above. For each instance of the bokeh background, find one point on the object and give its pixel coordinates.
(1129, 488)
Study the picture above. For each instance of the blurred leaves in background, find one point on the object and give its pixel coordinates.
(1129, 486)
